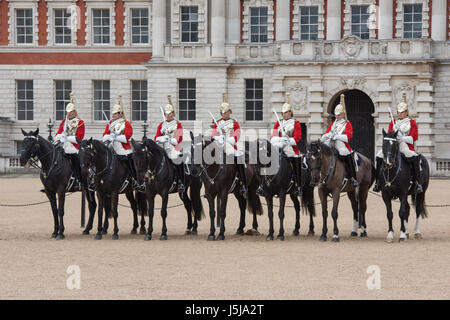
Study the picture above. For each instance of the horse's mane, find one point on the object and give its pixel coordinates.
(153, 146)
(99, 145)
(314, 146)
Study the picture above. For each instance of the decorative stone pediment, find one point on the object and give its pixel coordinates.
(298, 93)
(351, 46)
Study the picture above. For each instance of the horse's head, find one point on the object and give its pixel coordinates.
(140, 159)
(390, 148)
(30, 147)
(314, 159)
(86, 153)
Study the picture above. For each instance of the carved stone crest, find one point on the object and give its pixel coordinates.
(328, 48)
(297, 48)
(298, 95)
(351, 46)
(404, 47)
(375, 48)
(352, 82)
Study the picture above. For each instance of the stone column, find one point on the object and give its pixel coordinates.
(218, 28)
(386, 13)
(159, 29)
(333, 20)
(438, 20)
(233, 21)
(283, 20)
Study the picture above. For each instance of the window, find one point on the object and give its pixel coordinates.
(258, 24)
(63, 88)
(24, 99)
(309, 23)
(360, 21)
(19, 147)
(139, 26)
(412, 21)
(63, 34)
(253, 99)
(101, 26)
(101, 100)
(139, 99)
(24, 26)
(189, 24)
(186, 100)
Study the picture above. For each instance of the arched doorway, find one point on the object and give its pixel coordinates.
(359, 111)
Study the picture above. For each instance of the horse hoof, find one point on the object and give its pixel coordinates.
(296, 233)
(104, 232)
(60, 237)
(311, 234)
(323, 238)
(85, 232)
(163, 237)
(280, 237)
(269, 238)
(363, 234)
(402, 240)
(354, 234)
(240, 232)
(142, 231)
(407, 236)
(148, 237)
(134, 231)
(221, 237)
(211, 238)
(115, 237)
(194, 233)
(389, 240)
(187, 232)
(418, 236)
(53, 236)
(98, 237)
(335, 239)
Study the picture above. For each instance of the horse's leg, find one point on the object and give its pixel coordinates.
(90, 196)
(188, 206)
(242, 207)
(151, 213)
(165, 200)
(115, 214)
(334, 215)
(323, 202)
(142, 208)
(107, 207)
(212, 215)
(407, 211)
(52, 197)
(217, 210)
(352, 196)
(269, 201)
(388, 203)
(222, 214)
(362, 204)
(101, 200)
(133, 204)
(402, 213)
(61, 201)
(296, 231)
(281, 215)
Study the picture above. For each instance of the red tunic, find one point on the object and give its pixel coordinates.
(79, 134)
(413, 132)
(348, 132)
(178, 134)
(296, 134)
(128, 132)
(236, 133)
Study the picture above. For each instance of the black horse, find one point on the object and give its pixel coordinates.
(109, 176)
(220, 180)
(56, 173)
(394, 179)
(279, 184)
(156, 171)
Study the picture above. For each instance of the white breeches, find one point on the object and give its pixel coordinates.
(404, 149)
(69, 148)
(172, 153)
(120, 150)
(339, 146)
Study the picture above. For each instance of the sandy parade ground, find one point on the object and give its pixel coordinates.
(33, 266)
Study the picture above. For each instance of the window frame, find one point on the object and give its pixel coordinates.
(359, 23)
(54, 27)
(259, 25)
(25, 100)
(412, 23)
(16, 26)
(191, 22)
(254, 99)
(300, 33)
(93, 27)
(131, 9)
(187, 99)
(141, 89)
(64, 101)
(102, 100)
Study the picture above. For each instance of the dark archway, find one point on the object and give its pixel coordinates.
(359, 112)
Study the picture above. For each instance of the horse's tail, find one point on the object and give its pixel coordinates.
(253, 202)
(196, 199)
(308, 200)
(418, 201)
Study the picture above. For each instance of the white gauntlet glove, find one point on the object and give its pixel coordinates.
(231, 140)
(406, 139)
(218, 139)
(341, 137)
(72, 139)
(173, 141)
(121, 138)
(292, 142)
(105, 137)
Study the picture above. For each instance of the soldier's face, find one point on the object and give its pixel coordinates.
(116, 115)
(71, 115)
(402, 115)
(226, 115)
(170, 116)
(287, 115)
(339, 116)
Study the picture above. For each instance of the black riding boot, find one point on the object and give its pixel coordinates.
(131, 171)
(297, 168)
(379, 161)
(180, 175)
(75, 163)
(416, 165)
(351, 165)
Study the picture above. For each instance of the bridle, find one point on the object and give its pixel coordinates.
(91, 168)
(34, 157)
(206, 167)
(397, 163)
(318, 155)
(152, 174)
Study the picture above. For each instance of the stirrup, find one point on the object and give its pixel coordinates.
(298, 191)
(419, 188)
(180, 187)
(244, 191)
(354, 182)
(376, 188)
(260, 191)
(91, 187)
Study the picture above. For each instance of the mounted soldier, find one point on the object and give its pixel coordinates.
(228, 134)
(117, 134)
(286, 134)
(407, 134)
(339, 134)
(71, 129)
(169, 135)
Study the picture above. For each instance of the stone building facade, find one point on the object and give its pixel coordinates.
(255, 50)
